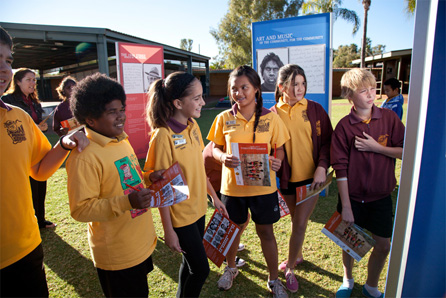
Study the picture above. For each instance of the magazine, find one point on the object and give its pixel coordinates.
(218, 237)
(351, 238)
(284, 210)
(254, 164)
(304, 193)
(171, 190)
(72, 124)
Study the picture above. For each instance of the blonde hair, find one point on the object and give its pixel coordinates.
(354, 79)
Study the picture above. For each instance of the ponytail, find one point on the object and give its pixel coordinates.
(162, 93)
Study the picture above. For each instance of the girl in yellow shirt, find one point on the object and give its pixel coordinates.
(249, 122)
(176, 137)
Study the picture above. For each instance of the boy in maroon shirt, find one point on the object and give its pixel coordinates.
(364, 146)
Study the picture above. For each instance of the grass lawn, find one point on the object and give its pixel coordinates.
(70, 271)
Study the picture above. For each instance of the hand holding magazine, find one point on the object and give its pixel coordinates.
(304, 193)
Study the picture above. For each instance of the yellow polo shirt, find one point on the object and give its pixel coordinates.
(118, 238)
(22, 146)
(231, 127)
(299, 149)
(182, 144)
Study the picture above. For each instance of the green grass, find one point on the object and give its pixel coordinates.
(70, 271)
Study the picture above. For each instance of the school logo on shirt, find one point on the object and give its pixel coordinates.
(382, 139)
(15, 131)
(305, 116)
(318, 128)
(263, 126)
(195, 133)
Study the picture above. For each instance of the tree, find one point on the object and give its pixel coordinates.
(233, 35)
(366, 4)
(344, 55)
(186, 44)
(334, 6)
(410, 6)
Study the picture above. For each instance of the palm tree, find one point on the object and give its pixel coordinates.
(334, 6)
(410, 9)
(366, 4)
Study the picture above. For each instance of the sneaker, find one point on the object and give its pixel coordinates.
(225, 281)
(241, 247)
(278, 290)
(239, 262)
(343, 292)
(291, 282)
(282, 265)
(367, 294)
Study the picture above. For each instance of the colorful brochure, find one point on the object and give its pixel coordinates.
(71, 124)
(284, 210)
(352, 239)
(218, 237)
(304, 193)
(172, 189)
(254, 164)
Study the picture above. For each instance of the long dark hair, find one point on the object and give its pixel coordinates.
(162, 93)
(254, 80)
(62, 85)
(286, 75)
(14, 88)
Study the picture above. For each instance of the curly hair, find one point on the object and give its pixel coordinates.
(92, 94)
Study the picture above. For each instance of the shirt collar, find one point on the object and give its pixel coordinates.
(376, 114)
(281, 103)
(234, 110)
(103, 140)
(176, 126)
(4, 106)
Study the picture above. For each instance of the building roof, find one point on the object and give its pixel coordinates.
(45, 47)
(385, 56)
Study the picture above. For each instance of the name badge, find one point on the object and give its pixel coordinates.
(231, 122)
(177, 136)
(179, 142)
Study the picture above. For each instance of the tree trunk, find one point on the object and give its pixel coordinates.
(364, 32)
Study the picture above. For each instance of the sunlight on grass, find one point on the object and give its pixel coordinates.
(70, 271)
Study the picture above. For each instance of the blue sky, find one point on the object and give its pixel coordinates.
(168, 22)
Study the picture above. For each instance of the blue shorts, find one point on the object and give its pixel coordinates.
(264, 209)
(376, 216)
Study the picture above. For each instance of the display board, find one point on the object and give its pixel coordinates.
(305, 41)
(138, 66)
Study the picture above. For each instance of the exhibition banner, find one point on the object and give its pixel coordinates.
(305, 41)
(138, 66)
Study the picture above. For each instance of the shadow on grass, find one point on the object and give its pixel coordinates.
(167, 261)
(69, 265)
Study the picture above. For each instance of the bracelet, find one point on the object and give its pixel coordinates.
(61, 143)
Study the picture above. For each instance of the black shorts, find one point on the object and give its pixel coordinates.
(291, 190)
(376, 216)
(264, 209)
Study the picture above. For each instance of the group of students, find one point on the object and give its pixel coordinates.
(121, 233)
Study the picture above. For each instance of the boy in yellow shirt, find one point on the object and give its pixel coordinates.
(101, 182)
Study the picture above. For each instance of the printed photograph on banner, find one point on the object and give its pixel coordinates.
(152, 72)
(269, 63)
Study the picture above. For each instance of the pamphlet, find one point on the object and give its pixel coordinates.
(352, 239)
(254, 164)
(72, 124)
(218, 237)
(172, 189)
(304, 193)
(284, 210)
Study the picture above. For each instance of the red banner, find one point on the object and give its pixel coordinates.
(138, 66)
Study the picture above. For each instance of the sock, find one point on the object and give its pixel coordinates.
(372, 290)
(348, 283)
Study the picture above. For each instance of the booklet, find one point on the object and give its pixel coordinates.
(352, 239)
(254, 164)
(304, 193)
(171, 190)
(72, 124)
(218, 237)
(284, 210)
